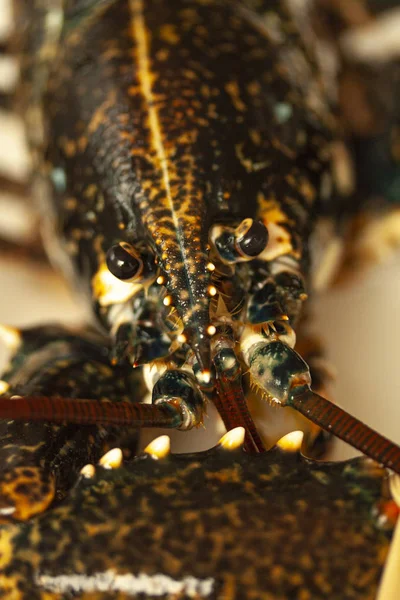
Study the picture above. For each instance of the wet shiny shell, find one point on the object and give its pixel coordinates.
(214, 525)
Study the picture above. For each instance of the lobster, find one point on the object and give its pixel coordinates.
(181, 192)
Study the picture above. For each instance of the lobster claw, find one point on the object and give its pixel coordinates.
(180, 390)
(277, 369)
(139, 343)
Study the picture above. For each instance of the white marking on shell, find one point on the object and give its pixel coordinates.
(7, 511)
(110, 581)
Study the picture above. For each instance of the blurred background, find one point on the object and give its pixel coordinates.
(359, 322)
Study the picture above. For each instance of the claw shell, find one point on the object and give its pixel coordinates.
(210, 522)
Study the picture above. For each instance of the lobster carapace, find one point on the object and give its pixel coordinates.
(186, 179)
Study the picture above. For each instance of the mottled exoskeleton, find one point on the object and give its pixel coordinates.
(220, 524)
(182, 161)
(196, 149)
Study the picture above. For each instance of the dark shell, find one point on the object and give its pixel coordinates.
(39, 462)
(218, 524)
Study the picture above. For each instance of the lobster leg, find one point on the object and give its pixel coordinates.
(39, 462)
(285, 379)
(141, 334)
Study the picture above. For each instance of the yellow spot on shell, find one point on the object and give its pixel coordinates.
(159, 448)
(88, 471)
(82, 143)
(70, 148)
(233, 439)
(26, 495)
(112, 459)
(70, 203)
(99, 117)
(7, 542)
(291, 442)
(167, 301)
(4, 387)
(11, 337)
(211, 330)
(169, 34)
(204, 376)
(233, 90)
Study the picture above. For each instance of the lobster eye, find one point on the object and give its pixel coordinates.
(254, 240)
(123, 262)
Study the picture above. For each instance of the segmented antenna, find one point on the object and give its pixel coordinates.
(93, 412)
(346, 427)
(229, 397)
(231, 404)
(90, 412)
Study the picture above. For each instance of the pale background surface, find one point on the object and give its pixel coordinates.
(360, 323)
